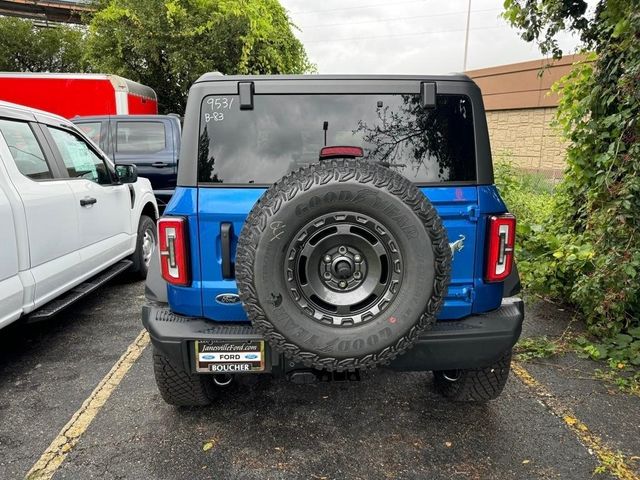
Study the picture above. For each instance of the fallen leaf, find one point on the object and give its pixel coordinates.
(448, 444)
(570, 420)
(621, 365)
(525, 461)
(208, 445)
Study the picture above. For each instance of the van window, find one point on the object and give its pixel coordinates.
(91, 130)
(25, 150)
(285, 132)
(140, 137)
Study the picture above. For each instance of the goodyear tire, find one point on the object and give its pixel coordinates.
(474, 384)
(342, 264)
(180, 388)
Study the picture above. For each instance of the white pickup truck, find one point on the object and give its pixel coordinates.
(71, 220)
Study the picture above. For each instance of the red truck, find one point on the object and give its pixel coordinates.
(73, 94)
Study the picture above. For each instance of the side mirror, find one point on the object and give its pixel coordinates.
(127, 173)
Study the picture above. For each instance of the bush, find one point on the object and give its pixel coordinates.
(555, 262)
(530, 198)
(588, 252)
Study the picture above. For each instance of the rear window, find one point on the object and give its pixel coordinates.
(91, 130)
(140, 137)
(285, 132)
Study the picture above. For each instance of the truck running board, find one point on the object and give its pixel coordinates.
(50, 309)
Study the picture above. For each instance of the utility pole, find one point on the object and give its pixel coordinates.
(466, 37)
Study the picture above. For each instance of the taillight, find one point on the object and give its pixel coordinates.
(340, 152)
(172, 239)
(500, 244)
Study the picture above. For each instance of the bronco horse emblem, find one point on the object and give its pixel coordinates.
(457, 246)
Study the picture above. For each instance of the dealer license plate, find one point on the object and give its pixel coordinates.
(229, 357)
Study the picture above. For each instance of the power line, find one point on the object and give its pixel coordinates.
(356, 39)
(383, 20)
(386, 4)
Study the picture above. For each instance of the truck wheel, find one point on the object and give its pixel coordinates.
(145, 245)
(180, 388)
(474, 384)
(341, 265)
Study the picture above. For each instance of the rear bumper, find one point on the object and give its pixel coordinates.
(475, 341)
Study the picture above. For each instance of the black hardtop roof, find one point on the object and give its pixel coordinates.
(218, 77)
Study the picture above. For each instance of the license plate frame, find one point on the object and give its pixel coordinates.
(230, 356)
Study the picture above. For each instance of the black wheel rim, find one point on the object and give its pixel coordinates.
(343, 269)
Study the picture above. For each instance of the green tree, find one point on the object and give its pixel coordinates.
(168, 44)
(27, 48)
(597, 213)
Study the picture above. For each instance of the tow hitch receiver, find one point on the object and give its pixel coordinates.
(302, 377)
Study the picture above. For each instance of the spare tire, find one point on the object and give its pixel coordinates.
(342, 264)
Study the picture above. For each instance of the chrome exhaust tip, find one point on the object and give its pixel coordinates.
(223, 379)
(451, 375)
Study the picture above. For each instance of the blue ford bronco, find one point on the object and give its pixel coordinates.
(323, 225)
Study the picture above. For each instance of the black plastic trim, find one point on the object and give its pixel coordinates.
(155, 288)
(245, 91)
(476, 341)
(226, 232)
(512, 285)
(428, 94)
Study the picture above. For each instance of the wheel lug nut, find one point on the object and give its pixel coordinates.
(343, 284)
(357, 258)
(357, 275)
(327, 258)
(327, 275)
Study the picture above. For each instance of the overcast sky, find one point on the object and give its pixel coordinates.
(407, 36)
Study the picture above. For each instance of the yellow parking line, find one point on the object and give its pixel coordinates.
(610, 461)
(68, 437)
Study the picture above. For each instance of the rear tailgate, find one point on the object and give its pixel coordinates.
(457, 207)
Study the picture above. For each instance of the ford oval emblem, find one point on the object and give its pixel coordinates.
(228, 298)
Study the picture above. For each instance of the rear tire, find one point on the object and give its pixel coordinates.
(474, 384)
(180, 388)
(146, 243)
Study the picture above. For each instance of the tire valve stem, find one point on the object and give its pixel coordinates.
(343, 284)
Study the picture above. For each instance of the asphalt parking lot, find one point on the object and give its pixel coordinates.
(553, 420)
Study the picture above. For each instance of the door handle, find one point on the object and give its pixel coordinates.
(226, 231)
(159, 164)
(85, 202)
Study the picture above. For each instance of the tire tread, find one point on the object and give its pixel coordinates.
(178, 387)
(476, 384)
